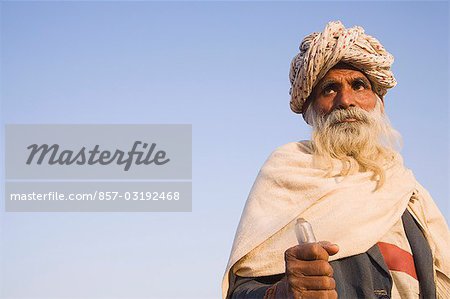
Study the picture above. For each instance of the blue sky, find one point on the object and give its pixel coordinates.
(220, 66)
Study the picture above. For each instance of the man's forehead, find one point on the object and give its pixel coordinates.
(344, 69)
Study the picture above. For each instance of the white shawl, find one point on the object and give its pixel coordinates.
(343, 210)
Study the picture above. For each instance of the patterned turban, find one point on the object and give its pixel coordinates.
(319, 52)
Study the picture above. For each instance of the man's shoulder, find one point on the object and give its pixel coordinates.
(292, 152)
(302, 146)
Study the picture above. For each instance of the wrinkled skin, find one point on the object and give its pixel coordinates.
(341, 88)
(308, 272)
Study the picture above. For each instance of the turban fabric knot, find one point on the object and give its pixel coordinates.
(319, 52)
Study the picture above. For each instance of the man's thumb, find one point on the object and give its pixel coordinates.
(331, 248)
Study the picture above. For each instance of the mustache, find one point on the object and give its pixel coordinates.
(339, 115)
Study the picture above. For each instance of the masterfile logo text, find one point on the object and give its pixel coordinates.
(54, 155)
(98, 167)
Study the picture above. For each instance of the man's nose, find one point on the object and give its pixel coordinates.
(345, 99)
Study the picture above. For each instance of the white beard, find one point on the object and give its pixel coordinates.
(363, 145)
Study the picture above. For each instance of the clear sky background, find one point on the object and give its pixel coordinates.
(222, 67)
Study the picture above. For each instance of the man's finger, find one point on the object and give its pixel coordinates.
(307, 252)
(310, 268)
(325, 294)
(312, 283)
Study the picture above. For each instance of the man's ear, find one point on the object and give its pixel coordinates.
(304, 117)
(305, 113)
(382, 103)
(306, 105)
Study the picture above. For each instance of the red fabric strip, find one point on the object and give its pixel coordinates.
(398, 259)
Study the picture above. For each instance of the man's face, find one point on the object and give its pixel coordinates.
(349, 123)
(341, 88)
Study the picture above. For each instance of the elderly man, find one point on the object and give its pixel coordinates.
(381, 234)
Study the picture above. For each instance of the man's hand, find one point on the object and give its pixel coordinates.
(308, 273)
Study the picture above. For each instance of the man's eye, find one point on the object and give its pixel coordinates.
(328, 90)
(359, 85)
